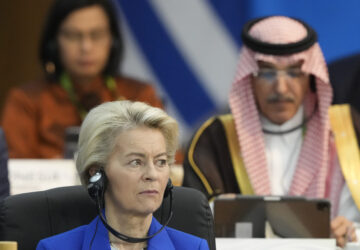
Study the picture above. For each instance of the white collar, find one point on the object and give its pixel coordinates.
(297, 119)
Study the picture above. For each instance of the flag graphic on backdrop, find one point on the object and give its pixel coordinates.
(186, 50)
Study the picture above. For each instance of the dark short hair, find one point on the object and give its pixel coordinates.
(48, 50)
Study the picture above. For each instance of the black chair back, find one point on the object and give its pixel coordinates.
(27, 218)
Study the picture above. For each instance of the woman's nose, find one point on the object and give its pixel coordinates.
(150, 171)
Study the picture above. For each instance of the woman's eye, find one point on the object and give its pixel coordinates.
(161, 163)
(135, 163)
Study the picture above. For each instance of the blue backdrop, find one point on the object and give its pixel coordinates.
(189, 48)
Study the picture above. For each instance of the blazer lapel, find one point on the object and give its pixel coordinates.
(97, 233)
(161, 240)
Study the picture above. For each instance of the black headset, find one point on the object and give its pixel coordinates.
(96, 189)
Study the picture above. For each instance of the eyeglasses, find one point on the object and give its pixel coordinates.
(270, 74)
(75, 37)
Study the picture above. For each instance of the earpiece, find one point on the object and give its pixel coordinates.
(168, 189)
(97, 185)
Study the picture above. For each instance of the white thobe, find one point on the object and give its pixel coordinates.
(282, 153)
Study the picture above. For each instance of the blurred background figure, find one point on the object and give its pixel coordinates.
(80, 51)
(345, 79)
(191, 58)
(4, 181)
(282, 136)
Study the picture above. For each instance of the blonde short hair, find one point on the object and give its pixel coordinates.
(103, 123)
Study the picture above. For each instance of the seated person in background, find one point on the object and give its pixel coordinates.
(125, 149)
(4, 180)
(280, 138)
(345, 79)
(80, 51)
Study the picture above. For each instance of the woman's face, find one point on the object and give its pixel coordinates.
(84, 40)
(137, 171)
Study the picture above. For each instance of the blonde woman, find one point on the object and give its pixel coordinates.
(129, 147)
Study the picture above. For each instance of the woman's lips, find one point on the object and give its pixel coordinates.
(86, 63)
(149, 192)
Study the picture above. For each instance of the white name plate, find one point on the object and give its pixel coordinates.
(272, 244)
(29, 175)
